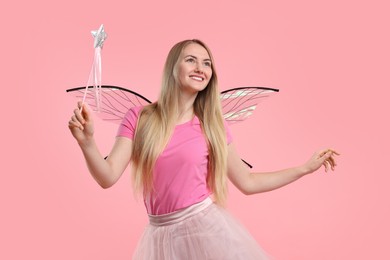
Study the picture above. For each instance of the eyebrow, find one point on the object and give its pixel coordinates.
(192, 56)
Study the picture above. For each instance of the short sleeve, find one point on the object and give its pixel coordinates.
(229, 137)
(129, 123)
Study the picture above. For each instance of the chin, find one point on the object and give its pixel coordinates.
(194, 89)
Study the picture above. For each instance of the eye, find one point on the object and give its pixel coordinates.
(191, 60)
(207, 64)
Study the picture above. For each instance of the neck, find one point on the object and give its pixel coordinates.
(186, 108)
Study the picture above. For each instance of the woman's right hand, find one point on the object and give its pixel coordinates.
(81, 124)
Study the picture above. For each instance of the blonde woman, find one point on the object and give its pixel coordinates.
(181, 153)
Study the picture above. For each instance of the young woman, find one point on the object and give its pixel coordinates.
(182, 153)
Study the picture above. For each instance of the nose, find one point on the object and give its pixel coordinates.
(198, 68)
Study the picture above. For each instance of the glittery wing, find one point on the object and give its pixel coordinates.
(115, 101)
(239, 103)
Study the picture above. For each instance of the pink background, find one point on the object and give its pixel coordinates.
(329, 59)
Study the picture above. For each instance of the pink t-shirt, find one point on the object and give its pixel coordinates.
(179, 175)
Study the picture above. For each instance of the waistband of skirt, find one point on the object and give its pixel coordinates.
(180, 215)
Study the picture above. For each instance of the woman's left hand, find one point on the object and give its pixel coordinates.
(324, 157)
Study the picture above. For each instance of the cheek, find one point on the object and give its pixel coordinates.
(209, 75)
(209, 72)
(179, 74)
(181, 71)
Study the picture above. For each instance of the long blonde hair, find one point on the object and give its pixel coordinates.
(157, 121)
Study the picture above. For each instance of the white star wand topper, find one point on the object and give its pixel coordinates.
(95, 75)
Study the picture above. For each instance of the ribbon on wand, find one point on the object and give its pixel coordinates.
(95, 75)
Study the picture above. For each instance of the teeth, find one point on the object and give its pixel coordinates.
(197, 78)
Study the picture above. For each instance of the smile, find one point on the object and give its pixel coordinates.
(197, 78)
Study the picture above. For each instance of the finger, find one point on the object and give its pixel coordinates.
(329, 150)
(336, 153)
(330, 165)
(322, 152)
(333, 151)
(333, 161)
(80, 104)
(79, 116)
(326, 166)
(329, 159)
(81, 107)
(320, 155)
(76, 122)
(72, 124)
(86, 112)
(326, 155)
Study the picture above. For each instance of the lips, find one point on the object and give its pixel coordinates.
(197, 78)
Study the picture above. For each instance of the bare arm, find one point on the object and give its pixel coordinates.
(105, 172)
(251, 183)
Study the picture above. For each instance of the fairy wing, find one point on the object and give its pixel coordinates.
(239, 103)
(115, 101)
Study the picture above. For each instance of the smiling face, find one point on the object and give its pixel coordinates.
(194, 68)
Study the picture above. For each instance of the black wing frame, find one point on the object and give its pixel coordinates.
(115, 101)
(237, 103)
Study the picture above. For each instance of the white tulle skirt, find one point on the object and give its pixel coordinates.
(200, 232)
